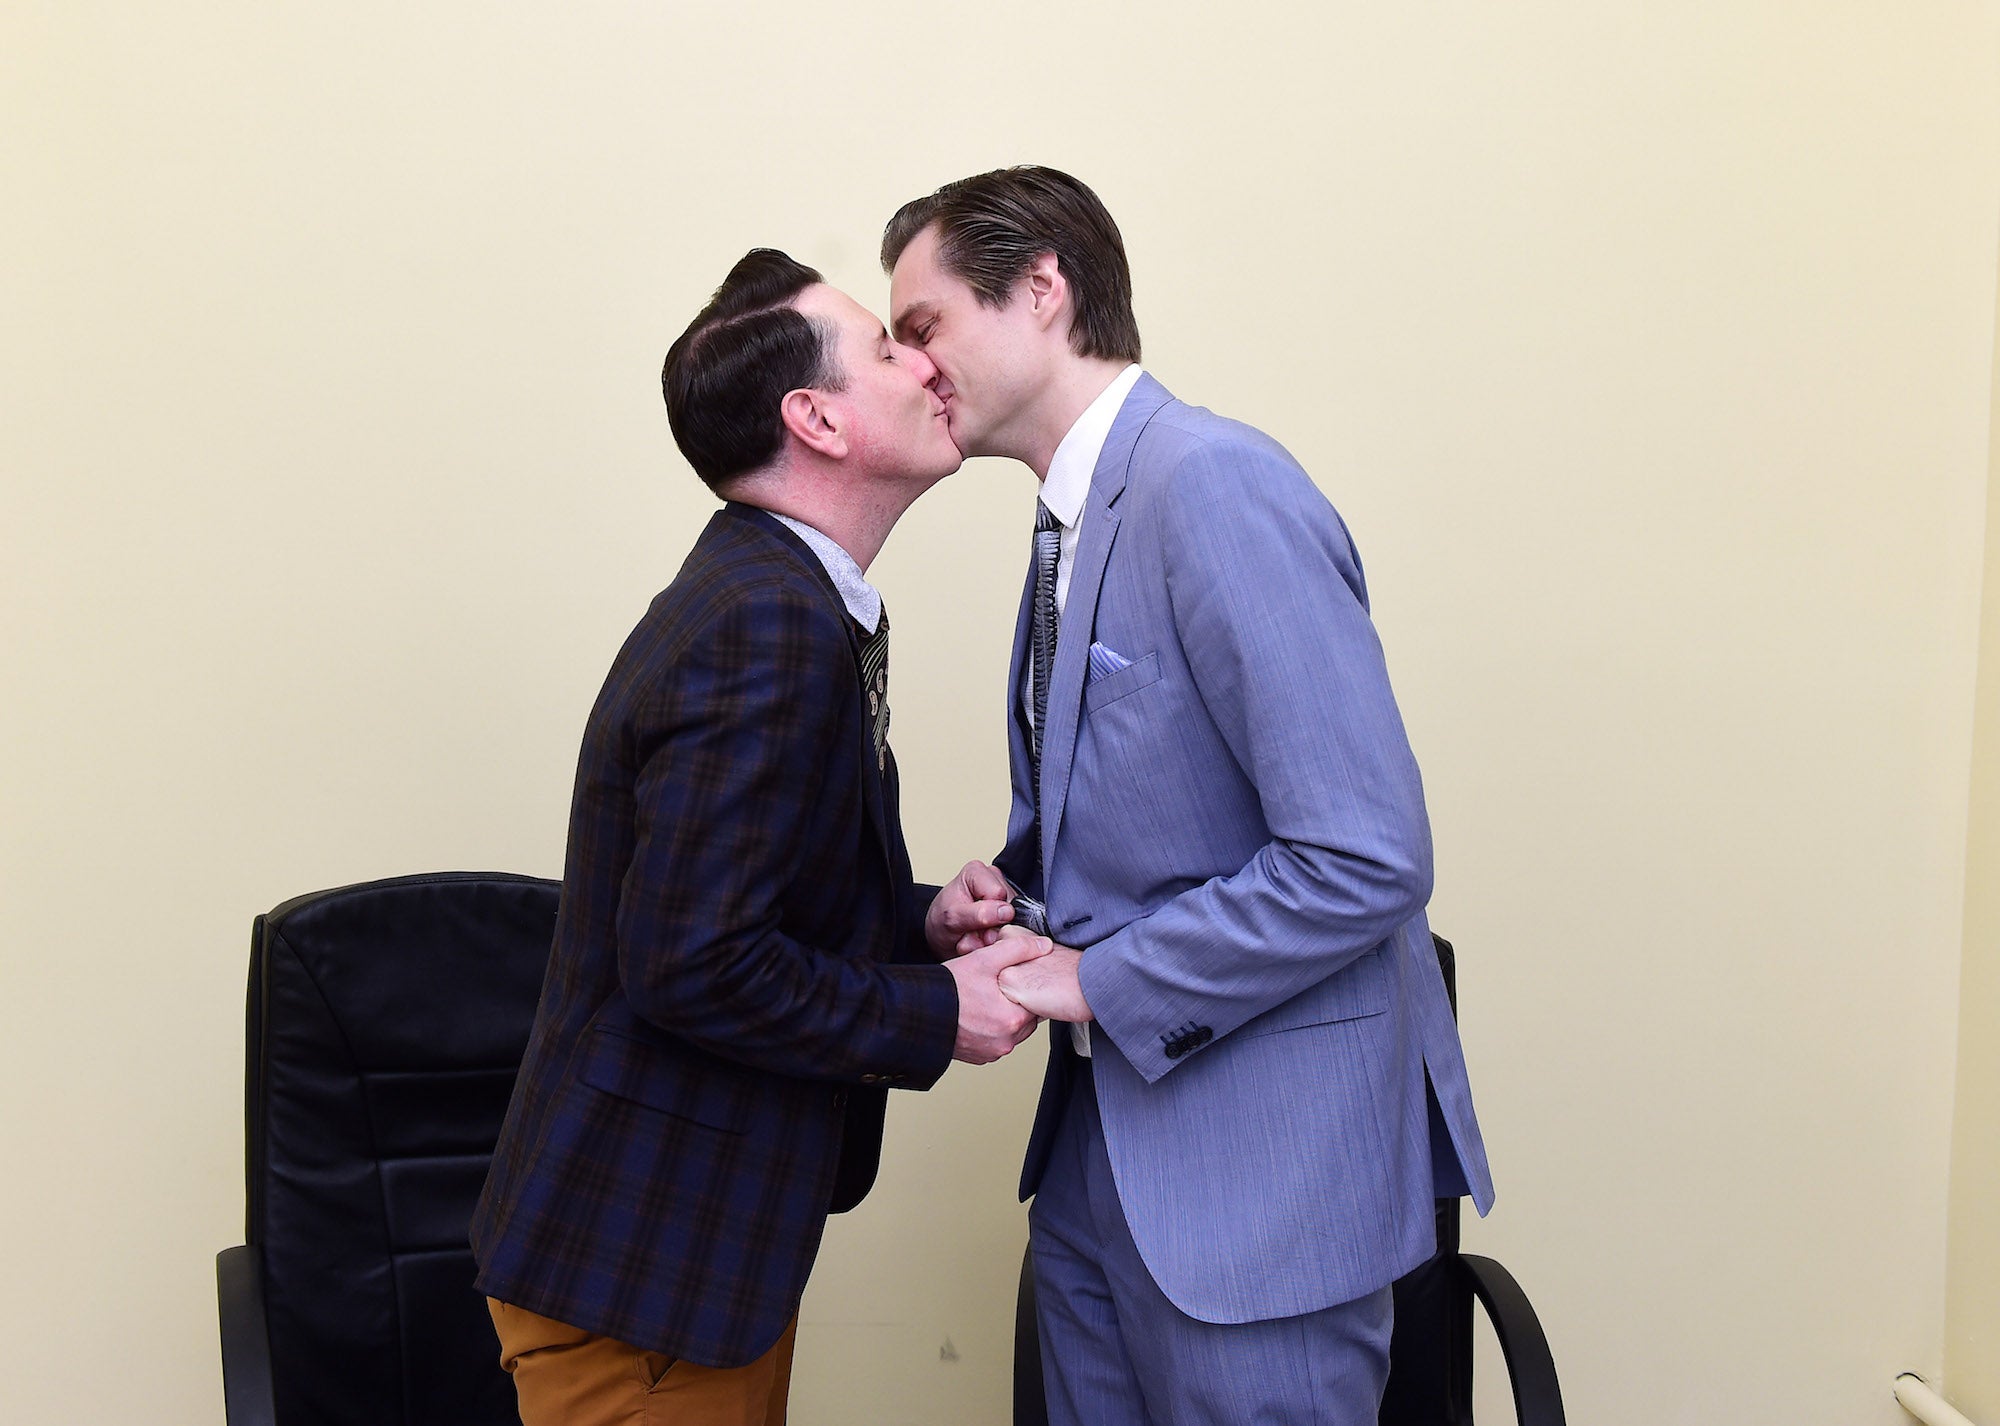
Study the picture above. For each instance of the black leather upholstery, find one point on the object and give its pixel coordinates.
(386, 1024)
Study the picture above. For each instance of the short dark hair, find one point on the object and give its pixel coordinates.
(992, 227)
(725, 375)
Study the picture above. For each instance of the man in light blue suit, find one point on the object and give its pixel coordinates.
(1260, 1088)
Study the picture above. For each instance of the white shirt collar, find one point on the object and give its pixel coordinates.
(862, 599)
(1075, 461)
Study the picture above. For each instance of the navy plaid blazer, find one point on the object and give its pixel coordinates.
(739, 972)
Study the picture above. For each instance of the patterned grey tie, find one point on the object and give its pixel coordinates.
(875, 686)
(1042, 628)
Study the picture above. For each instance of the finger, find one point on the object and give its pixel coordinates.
(978, 915)
(1011, 950)
(984, 882)
(959, 916)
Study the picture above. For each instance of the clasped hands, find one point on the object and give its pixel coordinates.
(1009, 980)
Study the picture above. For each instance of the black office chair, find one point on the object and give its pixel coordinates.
(1430, 1348)
(386, 1025)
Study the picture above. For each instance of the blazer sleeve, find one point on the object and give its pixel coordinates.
(1270, 609)
(728, 750)
(916, 946)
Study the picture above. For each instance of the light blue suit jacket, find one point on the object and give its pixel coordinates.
(1234, 829)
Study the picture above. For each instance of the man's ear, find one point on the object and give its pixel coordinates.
(813, 423)
(1048, 290)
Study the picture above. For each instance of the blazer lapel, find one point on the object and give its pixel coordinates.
(1100, 528)
(871, 772)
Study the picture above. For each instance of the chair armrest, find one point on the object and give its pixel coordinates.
(1031, 1407)
(246, 1342)
(1531, 1370)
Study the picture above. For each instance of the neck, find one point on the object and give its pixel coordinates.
(1076, 383)
(858, 520)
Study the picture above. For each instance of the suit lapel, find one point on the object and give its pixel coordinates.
(1100, 528)
(871, 772)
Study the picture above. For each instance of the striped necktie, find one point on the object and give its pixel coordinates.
(1042, 628)
(875, 686)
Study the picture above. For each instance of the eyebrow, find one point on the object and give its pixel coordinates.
(910, 314)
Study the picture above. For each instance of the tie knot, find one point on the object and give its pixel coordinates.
(1045, 519)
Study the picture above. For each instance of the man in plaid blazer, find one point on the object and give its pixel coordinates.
(742, 965)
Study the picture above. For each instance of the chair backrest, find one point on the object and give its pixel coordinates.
(1430, 1349)
(386, 1025)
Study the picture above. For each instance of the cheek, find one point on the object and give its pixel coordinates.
(945, 359)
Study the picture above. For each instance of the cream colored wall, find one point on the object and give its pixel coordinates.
(1972, 1272)
(1647, 352)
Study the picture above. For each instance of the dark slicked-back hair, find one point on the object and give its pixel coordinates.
(993, 226)
(726, 374)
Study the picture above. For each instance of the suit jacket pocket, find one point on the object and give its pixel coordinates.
(1127, 680)
(1354, 991)
(664, 1076)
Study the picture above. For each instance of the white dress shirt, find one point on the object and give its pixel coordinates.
(1066, 491)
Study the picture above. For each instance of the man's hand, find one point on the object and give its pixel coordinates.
(1047, 985)
(968, 913)
(989, 1024)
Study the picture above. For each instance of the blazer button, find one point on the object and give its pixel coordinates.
(871, 1079)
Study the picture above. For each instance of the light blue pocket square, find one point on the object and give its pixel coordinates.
(1105, 661)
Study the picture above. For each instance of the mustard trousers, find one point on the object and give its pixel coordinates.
(565, 1376)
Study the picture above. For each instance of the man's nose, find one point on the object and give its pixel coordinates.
(925, 368)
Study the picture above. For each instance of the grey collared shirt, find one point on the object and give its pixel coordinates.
(862, 599)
